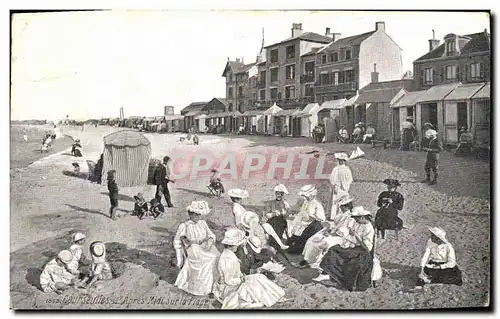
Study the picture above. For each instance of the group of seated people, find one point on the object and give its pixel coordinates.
(340, 248)
(359, 134)
(143, 209)
(63, 272)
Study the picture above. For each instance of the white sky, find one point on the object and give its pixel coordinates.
(88, 64)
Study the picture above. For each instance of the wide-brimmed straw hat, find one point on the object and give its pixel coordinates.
(237, 193)
(234, 237)
(139, 197)
(439, 232)
(281, 188)
(248, 217)
(429, 125)
(308, 190)
(431, 133)
(78, 236)
(359, 211)
(341, 156)
(391, 182)
(199, 207)
(65, 256)
(344, 200)
(255, 243)
(97, 249)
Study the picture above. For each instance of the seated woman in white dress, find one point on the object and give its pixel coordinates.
(196, 253)
(331, 235)
(236, 290)
(237, 195)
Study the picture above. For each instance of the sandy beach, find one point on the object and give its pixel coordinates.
(47, 206)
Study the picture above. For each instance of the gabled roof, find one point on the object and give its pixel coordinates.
(307, 36)
(244, 68)
(409, 99)
(195, 106)
(349, 41)
(405, 83)
(221, 100)
(479, 42)
(237, 67)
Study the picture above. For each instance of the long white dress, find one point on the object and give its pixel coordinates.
(77, 252)
(309, 212)
(198, 272)
(236, 291)
(341, 180)
(238, 212)
(317, 246)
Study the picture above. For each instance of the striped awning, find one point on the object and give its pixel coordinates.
(464, 92)
(437, 93)
(484, 93)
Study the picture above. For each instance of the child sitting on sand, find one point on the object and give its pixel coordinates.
(157, 209)
(100, 269)
(141, 206)
(215, 181)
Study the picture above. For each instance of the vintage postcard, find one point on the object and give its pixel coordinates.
(250, 160)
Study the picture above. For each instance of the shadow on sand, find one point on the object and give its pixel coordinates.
(407, 275)
(121, 197)
(86, 210)
(84, 176)
(195, 192)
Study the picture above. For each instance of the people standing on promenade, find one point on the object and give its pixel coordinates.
(432, 158)
(439, 263)
(162, 178)
(341, 180)
(113, 194)
(237, 195)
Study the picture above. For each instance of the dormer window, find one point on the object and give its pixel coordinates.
(323, 59)
(347, 54)
(335, 57)
(451, 47)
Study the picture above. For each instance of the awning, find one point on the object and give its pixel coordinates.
(288, 112)
(252, 113)
(332, 105)
(192, 113)
(377, 96)
(408, 100)
(464, 92)
(272, 110)
(437, 93)
(483, 93)
(349, 102)
(223, 114)
(307, 111)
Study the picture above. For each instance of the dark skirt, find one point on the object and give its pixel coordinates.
(407, 139)
(387, 218)
(297, 243)
(348, 268)
(278, 223)
(450, 276)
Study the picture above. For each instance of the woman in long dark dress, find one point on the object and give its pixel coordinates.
(276, 212)
(390, 203)
(350, 268)
(98, 169)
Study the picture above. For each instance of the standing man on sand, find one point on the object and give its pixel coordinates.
(162, 178)
(431, 162)
(113, 194)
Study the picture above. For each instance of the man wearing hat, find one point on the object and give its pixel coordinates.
(277, 210)
(356, 133)
(162, 178)
(341, 180)
(407, 134)
(431, 162)
(113, 193)
(369, 134)
(56, 276)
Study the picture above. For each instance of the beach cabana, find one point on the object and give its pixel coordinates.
(271, 121)
(128, 153)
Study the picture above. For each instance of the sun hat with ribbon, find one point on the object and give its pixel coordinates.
(308, 190)
(78, 236)
(234, 237)
(281, 188)
(199, 207)
(359, 211)
(98, 251)
(255, 243)
(341, 156)
(237, 193)
(139, 197)
(428, 125)
(439, 232)
(391, 182)
(248, 218)
(65, 256)
(344, 200)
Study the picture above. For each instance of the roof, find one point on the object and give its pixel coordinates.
(223, 101)
(307, 111)
(288, 112)
(377, 95)
(484, 93)
(237, 67)
(126, 138)
(192, 113)
(312, 52)
(407, 84)
(223, 114)
(349, 41)
(244, 68)
(350, 102)
(479, 42)
(333, 104)
(253, 113)
(437, 92)
(193, 106)
(464, 91)
(272, 110)
(306, 36)
(409, 99)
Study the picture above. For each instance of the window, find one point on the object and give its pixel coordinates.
(230, 107)
(289, 92)
(274, 75)
(341, 77)
(230, 93)
(262, 95)
(349, 76)
(451, 72)
(330, 58)
(409, 112)
(309, 68)
(254, 96)
(347, 54)
(475, 70)
(290, 72)
(335, 57)
(274, 94)
(240, 107)
(324, 79)
(324, 98)
(274, 56)
(450, 47)
(428, 76)
(335, 78)
(290, 52)
(309, 90)
(240, 91)
(262, 76)
(323, 59)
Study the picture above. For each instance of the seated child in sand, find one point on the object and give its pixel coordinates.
(156, 208)
(56, 276)
(141, 206)
(216, 182)
(100, 269)
(77, 251)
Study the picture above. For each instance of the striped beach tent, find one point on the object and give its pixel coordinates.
(128, 153)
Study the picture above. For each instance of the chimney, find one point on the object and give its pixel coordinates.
(336, 36)
(433, 43)
(296, 29)
(327, 32)
(374, 73)
(380, 26)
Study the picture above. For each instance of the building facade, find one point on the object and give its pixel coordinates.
(346, 65)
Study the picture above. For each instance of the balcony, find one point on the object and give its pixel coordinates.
(307, 78)
(261, 84)
(290, 81)
(285, 102)
(352, 86)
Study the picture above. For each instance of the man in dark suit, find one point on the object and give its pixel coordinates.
(431, 162)
(162, 178)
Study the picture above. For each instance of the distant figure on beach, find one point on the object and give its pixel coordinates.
(390, 203)
(162, 178)
(196, 139)
(113, 194)
(431, 163)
